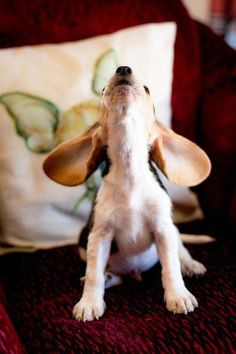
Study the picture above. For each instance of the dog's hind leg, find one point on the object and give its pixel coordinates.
(189, 266)
(111, 279)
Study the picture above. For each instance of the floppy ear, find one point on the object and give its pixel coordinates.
(73, 161)
(182, 161)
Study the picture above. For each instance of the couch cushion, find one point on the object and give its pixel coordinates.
(42, 288)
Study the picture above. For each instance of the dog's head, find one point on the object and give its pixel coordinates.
(125, 97)
(182, 161)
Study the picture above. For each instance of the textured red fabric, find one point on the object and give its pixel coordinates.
(42, 288)
(217, 127)
(9, 341)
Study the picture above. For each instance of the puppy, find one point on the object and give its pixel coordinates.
(131, 209)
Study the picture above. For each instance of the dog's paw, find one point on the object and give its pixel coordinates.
(190, 267)
(112, 280)
(87, 310)
(180, 302)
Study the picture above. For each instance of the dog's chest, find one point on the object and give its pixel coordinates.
(131, 211)
(130, 196)
(131, 230)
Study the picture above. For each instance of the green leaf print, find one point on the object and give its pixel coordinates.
(105, 67)
(36, 119)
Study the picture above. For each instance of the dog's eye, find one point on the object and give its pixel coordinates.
(103, 90)
(147, 90)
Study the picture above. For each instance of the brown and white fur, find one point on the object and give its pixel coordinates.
(131, 207)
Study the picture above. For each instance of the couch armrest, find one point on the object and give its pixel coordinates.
(217, 129)
(9, 340)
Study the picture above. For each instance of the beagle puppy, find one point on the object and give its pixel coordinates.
(131, 209)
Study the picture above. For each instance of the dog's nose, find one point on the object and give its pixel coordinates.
(124, 70)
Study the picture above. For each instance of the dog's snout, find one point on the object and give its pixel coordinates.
(124, 70)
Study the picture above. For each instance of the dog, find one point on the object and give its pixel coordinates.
(132, 209)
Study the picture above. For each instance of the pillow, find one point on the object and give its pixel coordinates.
(49, 93)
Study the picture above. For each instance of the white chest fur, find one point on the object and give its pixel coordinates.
(130, 198)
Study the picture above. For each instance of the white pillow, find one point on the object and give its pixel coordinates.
(34, 211)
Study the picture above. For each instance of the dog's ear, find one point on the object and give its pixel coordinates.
(182, 161)
(73, 161)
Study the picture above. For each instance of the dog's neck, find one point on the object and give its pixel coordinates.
(127, 150)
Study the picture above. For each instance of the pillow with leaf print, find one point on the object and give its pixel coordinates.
(50, 93)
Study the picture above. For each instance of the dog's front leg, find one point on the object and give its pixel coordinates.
(178, 299)
(92, 305)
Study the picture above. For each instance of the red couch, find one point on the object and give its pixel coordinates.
(39, 290)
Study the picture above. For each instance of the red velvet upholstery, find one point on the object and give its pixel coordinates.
(42, 288)
(136, 321)
(217, 129)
